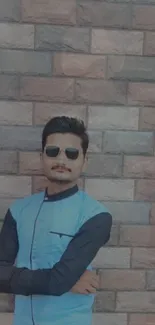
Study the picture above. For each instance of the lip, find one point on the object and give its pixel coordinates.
(61, 169)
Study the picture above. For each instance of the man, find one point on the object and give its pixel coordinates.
(49, 239)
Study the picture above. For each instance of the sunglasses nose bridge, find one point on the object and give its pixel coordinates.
(62, 155)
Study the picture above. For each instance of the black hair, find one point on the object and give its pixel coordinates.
(65, 124)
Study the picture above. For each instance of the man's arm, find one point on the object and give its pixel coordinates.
(81, 251)
(62, 277)
(13, 279)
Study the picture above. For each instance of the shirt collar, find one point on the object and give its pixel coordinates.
(61, 195)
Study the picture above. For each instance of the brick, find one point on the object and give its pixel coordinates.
(24, 62)
(151, 280)
(16, 36)
(20, 138)
(135, 301)
(9, 87)
(129, 212)
(5, 305)
(145, 190)
(100, 91)
(104, 165)
(8, 162)
(143, 1)
(137, 236)
(143, 258)
(138, 166)
(104, 302)
(116, 42)
(112, 257)
(15, 186)
(6, 318)
(105, 189)
(54, 12)
(113, 117)
(30, 163)
(62, 38)
(95, 141)
(116, 1)
(79, 65)
(44, 111)
(152, 214)
(149, 43)
(147, 118)
(141, 94)
(122, 280)
(131, 68)
(39, 184)
(101, 14)
(55, 89)
(128, 142)
(143, 17)
(15, 113)
(4, 205)
(110, 319)
(114, 236)
(10, 10)
(142, 319)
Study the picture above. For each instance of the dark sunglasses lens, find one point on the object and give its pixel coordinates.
(52, 151)
(72, 153)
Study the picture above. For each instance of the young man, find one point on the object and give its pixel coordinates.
(49, 239)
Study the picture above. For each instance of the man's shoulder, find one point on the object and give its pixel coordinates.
(92, 206)
(21, 203)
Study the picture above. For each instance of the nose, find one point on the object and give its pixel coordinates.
(61, 156)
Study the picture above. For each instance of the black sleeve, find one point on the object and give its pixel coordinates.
(60, 279)
(12, 279)
(8, 250)
(80, 253)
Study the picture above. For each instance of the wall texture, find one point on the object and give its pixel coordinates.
(93, 59)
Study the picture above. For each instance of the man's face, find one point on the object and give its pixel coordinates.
(63, 159)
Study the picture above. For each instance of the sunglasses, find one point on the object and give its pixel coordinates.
(53, 151)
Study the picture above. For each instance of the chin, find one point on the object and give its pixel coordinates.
(60, 179)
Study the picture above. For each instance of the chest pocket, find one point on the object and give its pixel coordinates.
(59, 241)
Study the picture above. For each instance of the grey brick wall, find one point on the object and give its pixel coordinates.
(93, 59)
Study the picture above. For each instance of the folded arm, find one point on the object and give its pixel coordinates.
(62, 277)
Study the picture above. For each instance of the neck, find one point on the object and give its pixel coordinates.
(57, 187)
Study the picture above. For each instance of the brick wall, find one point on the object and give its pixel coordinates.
(93, 59)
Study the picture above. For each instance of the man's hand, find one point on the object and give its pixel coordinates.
(87, 284)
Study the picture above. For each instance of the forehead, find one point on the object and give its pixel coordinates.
(64, 140)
